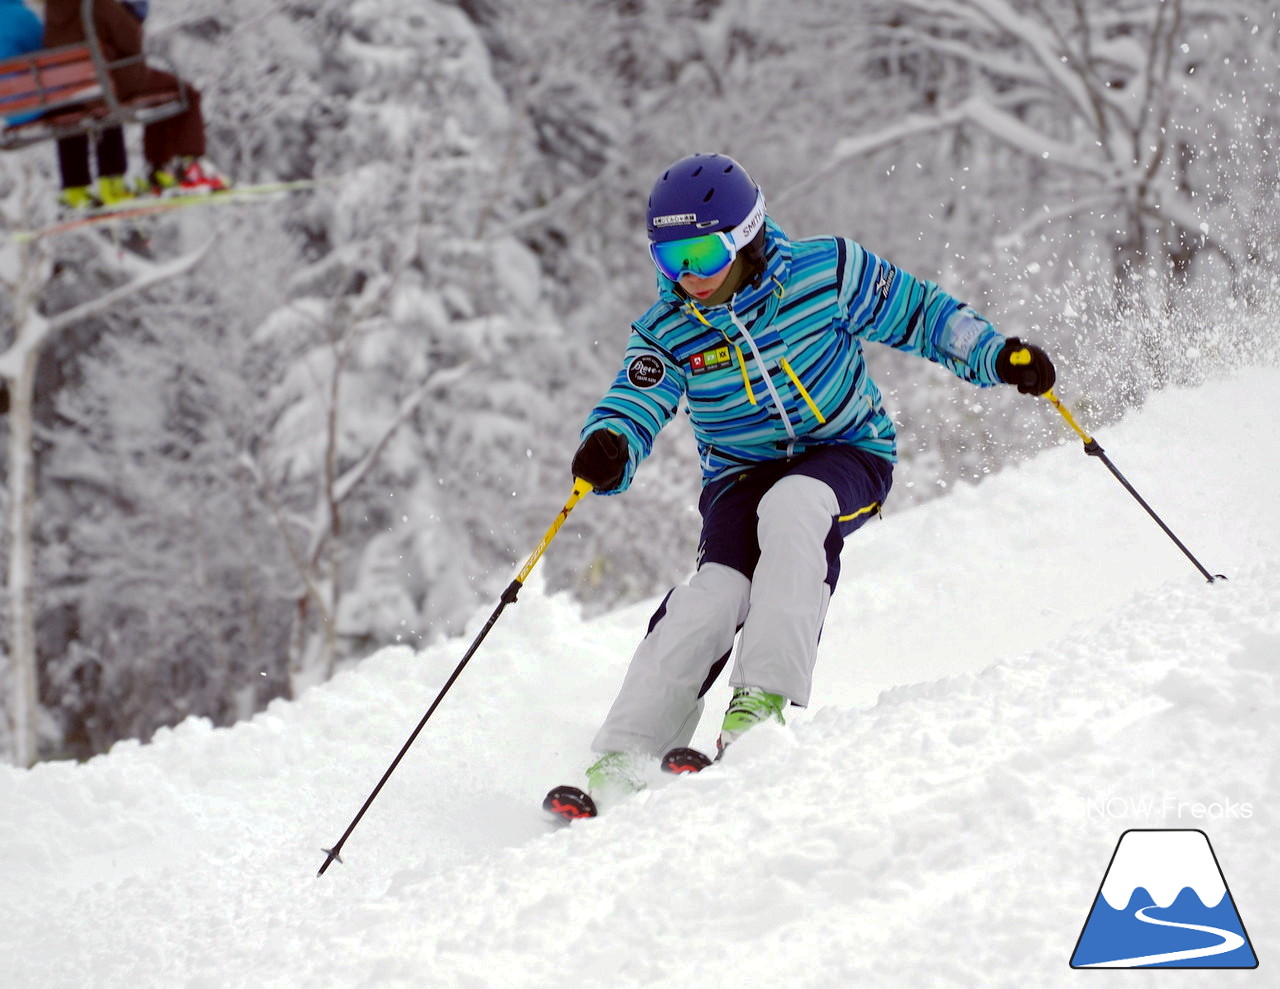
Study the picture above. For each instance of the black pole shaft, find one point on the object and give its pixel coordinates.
(1093, 449)
(508, 596)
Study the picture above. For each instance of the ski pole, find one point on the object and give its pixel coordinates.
(580, 488)
(1093, 449)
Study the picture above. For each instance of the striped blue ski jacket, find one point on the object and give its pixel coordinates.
(779, 369)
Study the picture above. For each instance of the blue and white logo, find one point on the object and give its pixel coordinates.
(1164, 903)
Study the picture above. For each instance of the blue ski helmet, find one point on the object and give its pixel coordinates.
(698, 195)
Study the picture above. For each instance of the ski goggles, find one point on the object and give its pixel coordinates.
(707, 254)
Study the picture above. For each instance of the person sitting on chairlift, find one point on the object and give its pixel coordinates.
(174, 147)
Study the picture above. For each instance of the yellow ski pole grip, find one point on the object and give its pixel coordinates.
(1020, 357)
(580, 488)
(1056, 402)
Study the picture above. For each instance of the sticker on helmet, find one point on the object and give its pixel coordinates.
(674, 219)
(646, 371)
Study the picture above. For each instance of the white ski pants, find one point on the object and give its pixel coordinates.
(780, 612)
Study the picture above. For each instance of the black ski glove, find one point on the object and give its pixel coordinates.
(1025, 365)
(601, 460)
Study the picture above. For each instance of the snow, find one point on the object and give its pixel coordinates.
(1011, 677)
(1141, 861)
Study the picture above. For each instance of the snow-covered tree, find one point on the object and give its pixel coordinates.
(167, 563)
(26, 271)
(1120, 113)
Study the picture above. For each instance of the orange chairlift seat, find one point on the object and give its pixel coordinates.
(70, 91)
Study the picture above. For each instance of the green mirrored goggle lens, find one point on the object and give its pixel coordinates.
(702, 256)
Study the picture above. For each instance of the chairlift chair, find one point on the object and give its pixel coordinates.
(71, 90)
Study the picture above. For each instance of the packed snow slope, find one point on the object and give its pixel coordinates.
(1011, 677)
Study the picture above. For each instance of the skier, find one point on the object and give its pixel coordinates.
(761, 336)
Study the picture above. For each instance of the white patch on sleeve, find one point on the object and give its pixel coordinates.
(962, 333)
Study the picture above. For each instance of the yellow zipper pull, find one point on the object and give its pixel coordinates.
(746, 380)
(795, 380)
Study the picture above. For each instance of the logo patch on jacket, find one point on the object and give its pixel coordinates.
(646, 371)
(710, 360)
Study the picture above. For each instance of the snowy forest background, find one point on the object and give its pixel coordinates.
(341, 420)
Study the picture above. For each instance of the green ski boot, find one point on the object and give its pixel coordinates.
(748, 708)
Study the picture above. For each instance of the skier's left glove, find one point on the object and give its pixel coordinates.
(1025, 365)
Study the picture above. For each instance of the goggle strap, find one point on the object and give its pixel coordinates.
(745, 232)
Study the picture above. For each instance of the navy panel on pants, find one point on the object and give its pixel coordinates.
(859, 478)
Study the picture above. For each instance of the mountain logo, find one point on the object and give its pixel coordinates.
(1163, 903)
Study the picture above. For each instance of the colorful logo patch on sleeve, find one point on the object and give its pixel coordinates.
(646, 371)
(711, 360)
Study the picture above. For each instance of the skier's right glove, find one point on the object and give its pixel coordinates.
(601, 460)
(1025, 365)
